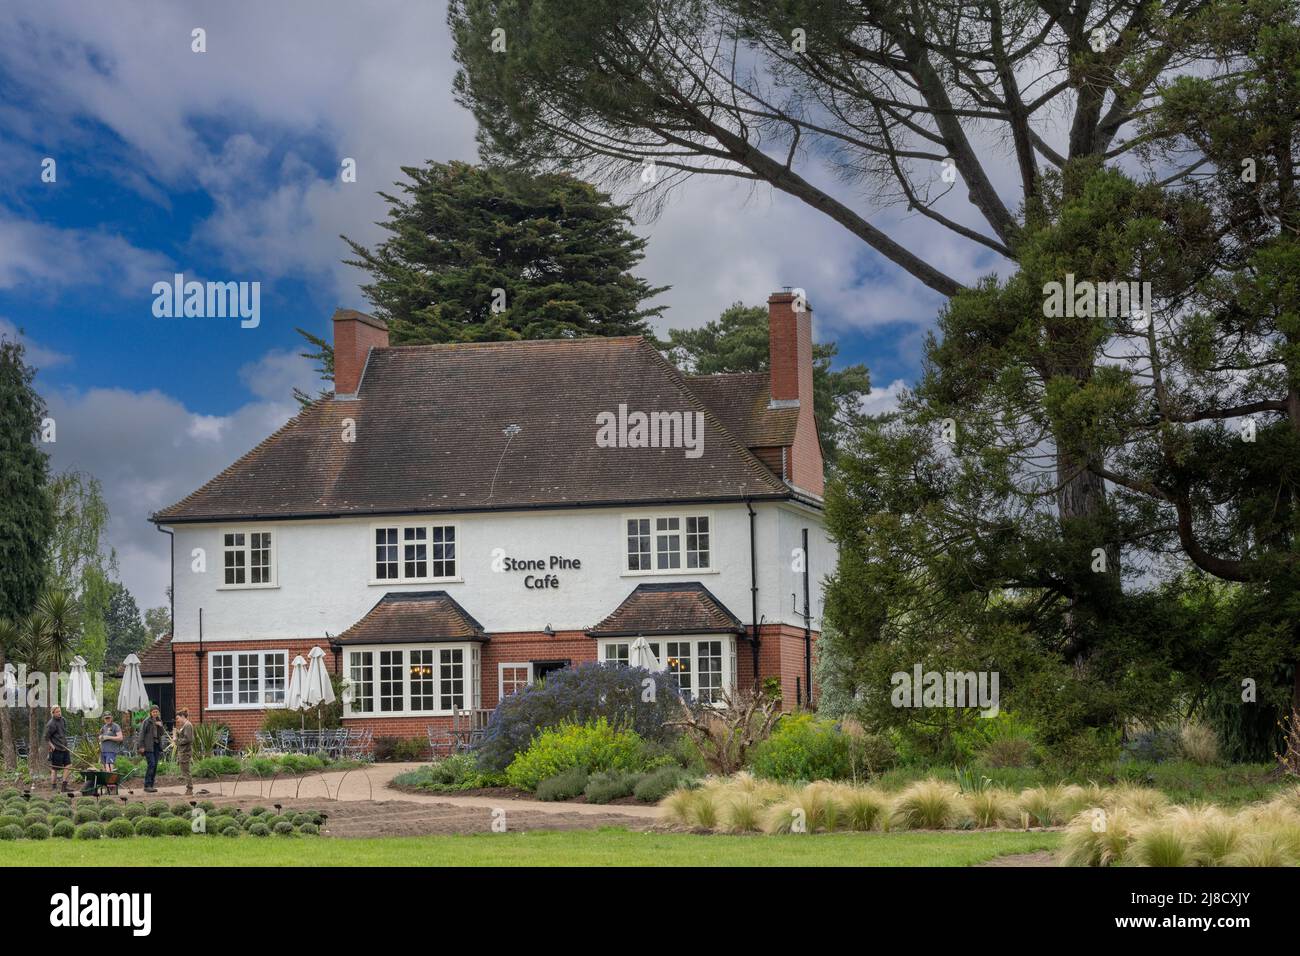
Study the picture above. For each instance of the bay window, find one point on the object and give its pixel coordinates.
(421, 680)
(705, 666)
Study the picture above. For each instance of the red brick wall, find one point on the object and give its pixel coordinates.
(780, 655)
(353, 340)
(790, 359)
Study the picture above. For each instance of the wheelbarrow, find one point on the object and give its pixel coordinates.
(100, 782)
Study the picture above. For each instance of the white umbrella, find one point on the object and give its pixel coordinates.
(319, 690)
(640, 655)
(132, 695)
(79, 693)
(293, 697)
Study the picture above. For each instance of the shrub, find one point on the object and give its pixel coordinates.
(283, 828)
(232, 830)
(148, 826)
(591, 747)
(1199, 744)
(37, 831)
(451, 774)
(176, 826)
(803, 748)
(606, 786)
(259, 830)
(9, 793)
(311, 829)
(9, 820)
(207, 806)
(109, 811)
(210, 767)
(1152, 746)
(218, 824)
(120, 828)
(261, 766)
(579, 695)
(89, 831)
(300, 763)
(257, 811)
(657, 784)
(61, 810)
(64, 829)
(133, 810)
(34, 817)
(565, 785)
(158, 808)
(1007, 752)
(86, 815)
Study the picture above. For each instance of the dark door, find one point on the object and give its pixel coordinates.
(542, 668)
(164, 695)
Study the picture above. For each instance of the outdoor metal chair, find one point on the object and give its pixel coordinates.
(266, 741)
(289, 742)
(442, 743)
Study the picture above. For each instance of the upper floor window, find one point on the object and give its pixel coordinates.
(669, 543)
(248, 559)
(418, 552)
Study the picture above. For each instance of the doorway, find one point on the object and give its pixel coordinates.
(542, 668)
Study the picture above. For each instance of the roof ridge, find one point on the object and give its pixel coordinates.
(761, 470)
(450, 346)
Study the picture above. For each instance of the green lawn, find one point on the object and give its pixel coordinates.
(609, 847)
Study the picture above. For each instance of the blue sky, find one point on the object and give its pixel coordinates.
(225, 165)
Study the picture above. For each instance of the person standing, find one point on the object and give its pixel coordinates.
(150, 747)
(56, 739)
(184, 737)
(110, 741)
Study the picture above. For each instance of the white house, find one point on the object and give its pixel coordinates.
(458, 520)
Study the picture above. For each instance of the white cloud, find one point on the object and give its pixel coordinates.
(37, 356)
(32, 253)
(881, 400)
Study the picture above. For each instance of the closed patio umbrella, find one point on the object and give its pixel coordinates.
(640, 655)
(319, 690)
(79, 692)
(293, 697)
(132, 695)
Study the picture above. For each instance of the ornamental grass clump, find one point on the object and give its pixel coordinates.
(928, 805)
(811, 809)
(862, 808)
(992, 807)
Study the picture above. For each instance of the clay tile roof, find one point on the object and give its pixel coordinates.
(688, 608)
(404, 617)
(740, 400)
(429, 437)
(156, 659)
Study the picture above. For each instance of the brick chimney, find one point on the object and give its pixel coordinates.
(790, 360)
(355, 334)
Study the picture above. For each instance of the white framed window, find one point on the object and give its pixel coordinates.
(248, 559)
(247, 679)
(512, 678)
(412, 679)
(414, 552)
(668, 544)
(705, 666)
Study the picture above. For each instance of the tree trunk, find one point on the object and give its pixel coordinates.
(10, 752)
(36, 762)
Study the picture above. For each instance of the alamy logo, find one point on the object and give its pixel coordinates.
(74, 909)
(1088, 299)
(946, 689)
(208, 300)
(651, 430)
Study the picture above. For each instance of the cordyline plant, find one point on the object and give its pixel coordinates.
(725, 735)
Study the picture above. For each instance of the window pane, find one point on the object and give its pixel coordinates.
(616, 653)
(668, 544)
(362, 667)
(514, 678)
(390, 681)
(386, 554)
(223, 685)
(247, 667)
(708, 670)
(444, 552)
(451, 679)
(679, 662)
(697, 542)
(234, 560)
(259, 558)
(416, 552)
(273, 668)
(638, 544)
(422, 682)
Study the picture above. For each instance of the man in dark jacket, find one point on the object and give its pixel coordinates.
(150, 747)
(56, 739)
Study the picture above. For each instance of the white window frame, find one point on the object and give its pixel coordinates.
(501, 676)
(401, 527)
(233, 654)
(247, 549)
(655, 534)
(605, 644)
(470, 662)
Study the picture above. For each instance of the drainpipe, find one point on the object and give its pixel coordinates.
(807, 625)
(753, 589)
(171, 601)
(199, 654)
